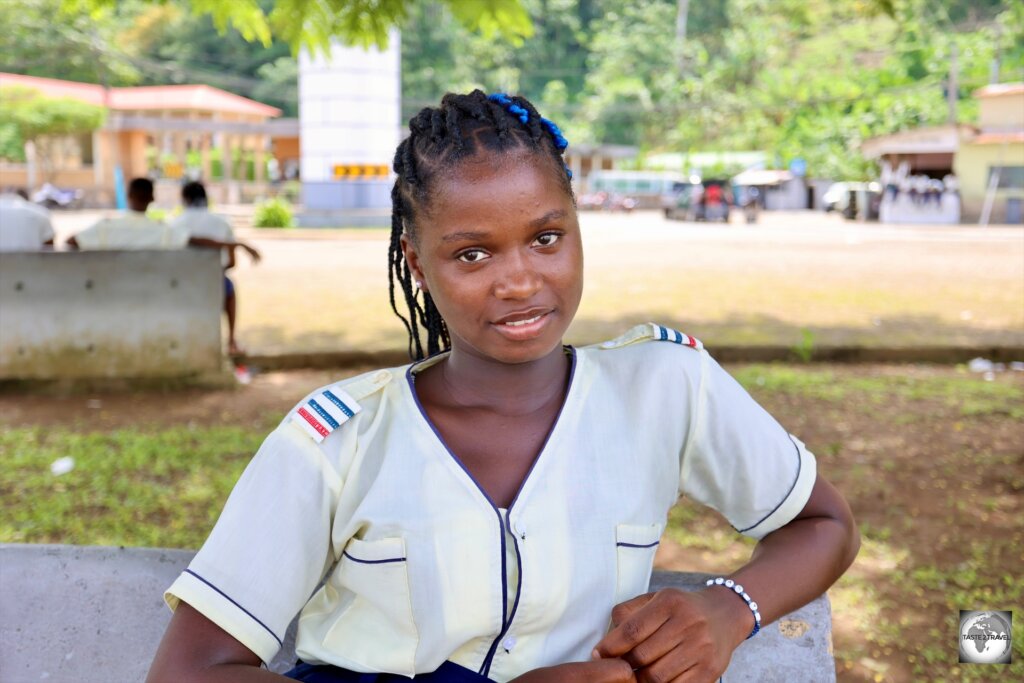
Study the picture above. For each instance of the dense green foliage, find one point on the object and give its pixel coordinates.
(798, 79)
(274, 213)
(803, 79)
(27, 116)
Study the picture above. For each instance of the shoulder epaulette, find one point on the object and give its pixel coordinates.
(329, 408)
(324, 412)
(653, 332)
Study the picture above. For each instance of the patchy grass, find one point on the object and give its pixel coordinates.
(163, 488)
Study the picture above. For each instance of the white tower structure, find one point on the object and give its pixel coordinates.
(349, 110)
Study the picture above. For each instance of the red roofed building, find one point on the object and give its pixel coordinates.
(166, 131)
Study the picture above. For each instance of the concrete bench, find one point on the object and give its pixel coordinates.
(82, 614)
(110, 314)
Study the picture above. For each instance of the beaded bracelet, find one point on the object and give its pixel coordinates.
(738, 589)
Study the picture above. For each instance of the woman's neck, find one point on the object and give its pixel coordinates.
(510, 389)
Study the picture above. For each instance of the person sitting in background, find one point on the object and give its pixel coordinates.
(24, 226)
(132, 229)
(198, 221)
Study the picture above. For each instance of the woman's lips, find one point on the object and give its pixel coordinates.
(523, 330)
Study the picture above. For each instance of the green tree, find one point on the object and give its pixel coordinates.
(46, 122)
(40, 38)
(312, 25)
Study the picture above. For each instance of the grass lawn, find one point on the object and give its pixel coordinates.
(930, 459)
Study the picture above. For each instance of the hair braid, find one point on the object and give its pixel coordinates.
(439, 138)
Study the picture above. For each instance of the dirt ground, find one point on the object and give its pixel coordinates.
(935, 483)
(847, 283)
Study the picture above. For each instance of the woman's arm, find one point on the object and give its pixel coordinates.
(685, 637)
(196, 650)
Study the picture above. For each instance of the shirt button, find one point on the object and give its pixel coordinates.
(509, 643)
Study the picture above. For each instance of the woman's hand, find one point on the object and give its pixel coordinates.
(676, 636)
(602, 671)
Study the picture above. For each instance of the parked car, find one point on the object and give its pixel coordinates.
(708, 200)
(836, 197)
(606, 201)
(842, 197)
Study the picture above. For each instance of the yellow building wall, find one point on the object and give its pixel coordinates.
(972, 164)
(1004, 112)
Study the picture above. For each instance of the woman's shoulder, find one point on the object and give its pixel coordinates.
(648, 351)
(327, 408)
(648, 341)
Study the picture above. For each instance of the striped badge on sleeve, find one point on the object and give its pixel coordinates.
(324, 412)
(662, 333)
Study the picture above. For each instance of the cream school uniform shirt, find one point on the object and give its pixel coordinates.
(132, 230)
(357, 488)
(24, 226)
(202, 223)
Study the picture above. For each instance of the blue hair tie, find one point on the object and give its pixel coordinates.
(560, 142)
(524, 117)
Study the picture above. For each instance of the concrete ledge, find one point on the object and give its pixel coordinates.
(90, 614)
(110, 314)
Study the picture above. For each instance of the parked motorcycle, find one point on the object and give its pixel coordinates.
(53, 197)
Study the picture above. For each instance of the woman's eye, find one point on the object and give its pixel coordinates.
(548, 239)
(472, 256)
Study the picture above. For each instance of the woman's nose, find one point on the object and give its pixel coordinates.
(519, 278)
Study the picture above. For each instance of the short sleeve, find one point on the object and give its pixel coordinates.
(740, 461)
(271, 545)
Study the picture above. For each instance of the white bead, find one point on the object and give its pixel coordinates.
(719, 581)
(757, 617)
(730, 583)
(746, 597)
(710, 582)
(753, 606)
(738, 588)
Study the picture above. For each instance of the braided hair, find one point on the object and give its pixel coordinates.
(439, 138)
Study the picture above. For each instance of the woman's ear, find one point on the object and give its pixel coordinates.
(413, 259)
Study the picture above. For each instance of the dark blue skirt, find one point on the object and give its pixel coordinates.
(323, 673)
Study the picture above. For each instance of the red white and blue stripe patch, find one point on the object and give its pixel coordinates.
(324, 412)
(675, 336)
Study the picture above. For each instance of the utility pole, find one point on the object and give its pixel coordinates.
(953, 87)
(993, 76)
(682, 12)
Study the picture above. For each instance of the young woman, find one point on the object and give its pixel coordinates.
(491, 511)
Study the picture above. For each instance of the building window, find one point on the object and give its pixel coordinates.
(1010, 177)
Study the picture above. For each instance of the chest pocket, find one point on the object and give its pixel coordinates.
(635, 546)
(375, 627)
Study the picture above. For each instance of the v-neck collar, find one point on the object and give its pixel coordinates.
(567, 399)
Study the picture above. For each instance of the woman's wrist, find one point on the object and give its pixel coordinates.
(734, 611)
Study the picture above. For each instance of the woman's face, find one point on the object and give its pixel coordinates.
(499, 250)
